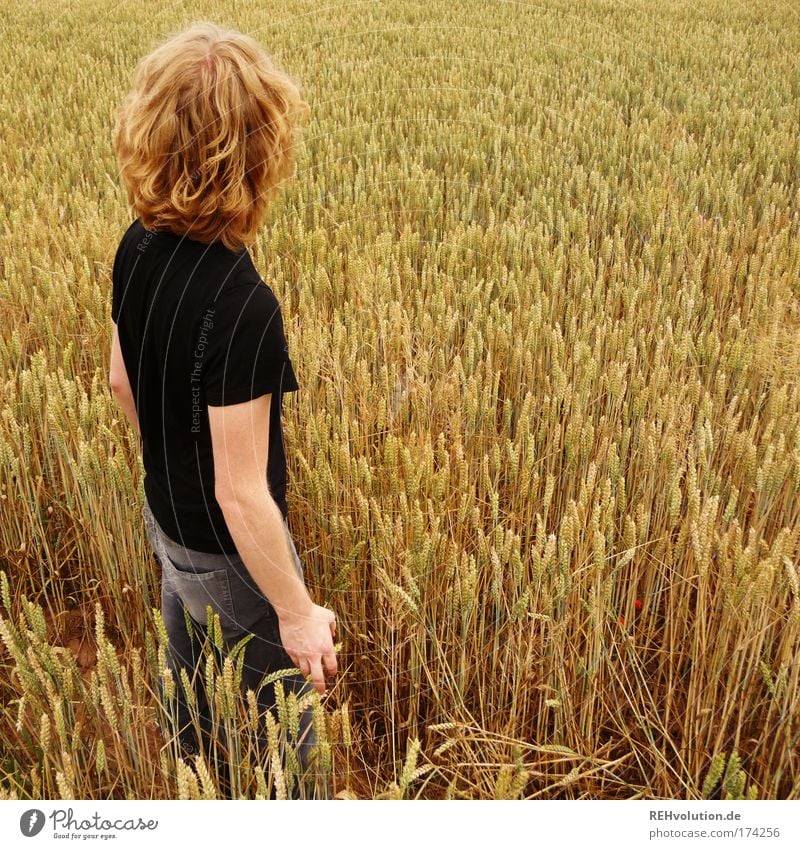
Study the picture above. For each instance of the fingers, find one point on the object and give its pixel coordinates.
(300, 662)
(329, 660)
(308, 668)
(316, 675)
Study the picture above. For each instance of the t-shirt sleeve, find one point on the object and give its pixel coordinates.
(116, 288)
(242, 347)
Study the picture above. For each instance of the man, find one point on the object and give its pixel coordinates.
(200, 361)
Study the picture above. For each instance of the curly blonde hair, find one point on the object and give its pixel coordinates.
(207, 135)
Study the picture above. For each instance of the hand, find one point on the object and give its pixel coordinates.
(308, 640)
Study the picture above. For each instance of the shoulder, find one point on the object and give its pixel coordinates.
(133, 234)
(123, 266)
(247, 292)
(129, 240)
(246, 313)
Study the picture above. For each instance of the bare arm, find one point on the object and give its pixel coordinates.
(120, 384)
(240, 440)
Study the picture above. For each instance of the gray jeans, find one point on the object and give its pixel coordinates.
(195, 579)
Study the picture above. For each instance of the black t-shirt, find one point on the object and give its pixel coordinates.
(197, 325)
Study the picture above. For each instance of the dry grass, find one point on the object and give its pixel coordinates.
(539, 271)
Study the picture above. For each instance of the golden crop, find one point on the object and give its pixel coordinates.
(540, 273)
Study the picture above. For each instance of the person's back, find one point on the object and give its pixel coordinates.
(200, 361)
(197, 326)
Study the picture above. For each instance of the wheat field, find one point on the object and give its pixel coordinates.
(540, 274)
